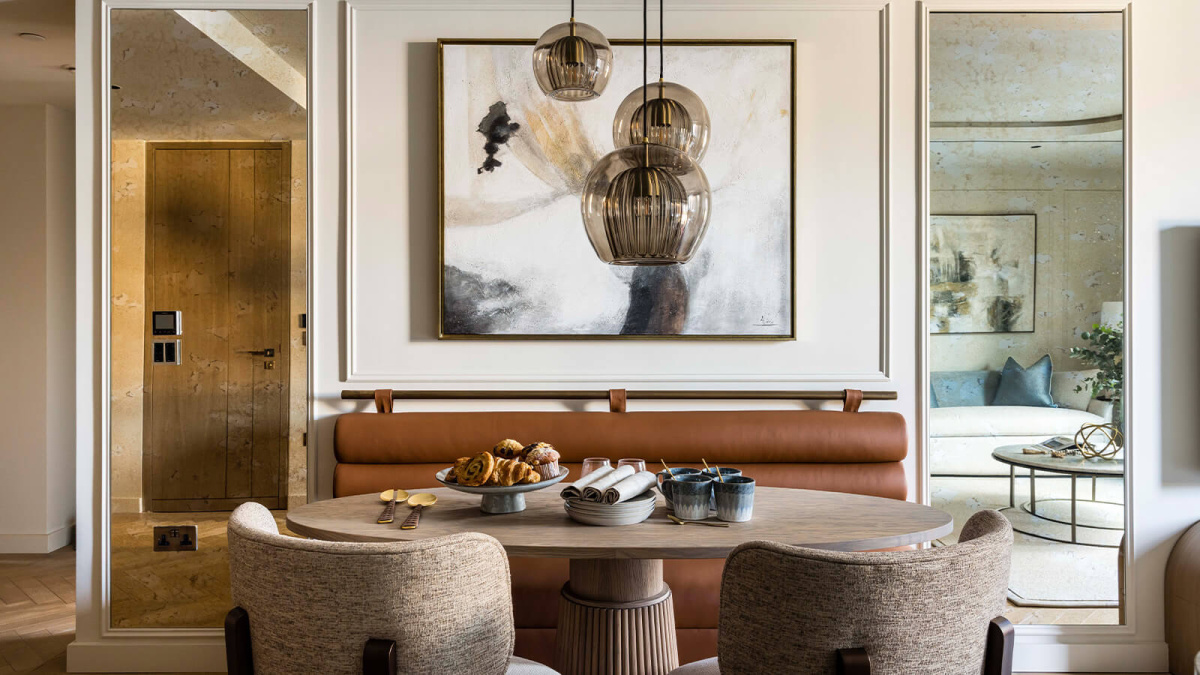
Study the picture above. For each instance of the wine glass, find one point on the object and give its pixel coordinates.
(637, 464)
(592, 463)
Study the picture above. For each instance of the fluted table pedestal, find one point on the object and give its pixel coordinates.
(615, 617)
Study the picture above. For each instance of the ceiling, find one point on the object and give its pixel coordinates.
(32, 72)
(1047, 76)
(209, 75)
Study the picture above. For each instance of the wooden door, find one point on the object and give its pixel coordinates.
(217, 238)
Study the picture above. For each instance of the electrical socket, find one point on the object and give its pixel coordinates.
(175, 538)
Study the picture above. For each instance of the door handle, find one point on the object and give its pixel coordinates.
(258, 352)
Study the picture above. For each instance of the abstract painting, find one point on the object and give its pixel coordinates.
(982, 273)
(516, 262)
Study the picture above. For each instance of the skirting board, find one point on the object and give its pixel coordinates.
(37, 543)
(148, 655)
(207, 655)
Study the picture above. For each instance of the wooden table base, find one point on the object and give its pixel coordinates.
(615, 617)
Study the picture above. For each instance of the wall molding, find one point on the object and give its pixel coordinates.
(353, 372)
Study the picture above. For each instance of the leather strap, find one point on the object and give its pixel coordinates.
(616, 400)
(854, 399)
(383, 400)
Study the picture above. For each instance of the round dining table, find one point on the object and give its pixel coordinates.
(615, 612)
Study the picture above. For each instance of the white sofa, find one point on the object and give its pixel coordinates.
(962, 438)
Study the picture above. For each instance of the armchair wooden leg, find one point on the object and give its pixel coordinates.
(1001, 637)
(238, 658)
(379, 657)
(853, 662)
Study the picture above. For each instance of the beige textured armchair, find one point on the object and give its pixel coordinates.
(337, 608)
(786, 609)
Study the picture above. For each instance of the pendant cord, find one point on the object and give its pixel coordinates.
(572, 10)
(661, 63)
(645, 74)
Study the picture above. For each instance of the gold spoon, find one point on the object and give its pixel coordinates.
(696, 522)
(418, 501)
(664, 463)
(391, 497)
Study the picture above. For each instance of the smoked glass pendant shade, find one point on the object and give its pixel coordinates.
(673, 115)
(646, 204)
(572, 62)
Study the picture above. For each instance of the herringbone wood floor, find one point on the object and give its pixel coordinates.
(37, 612)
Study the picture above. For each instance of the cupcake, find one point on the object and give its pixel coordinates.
(508, 449)
(543, 458)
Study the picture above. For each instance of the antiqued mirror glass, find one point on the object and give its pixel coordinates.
(1026, 240)
(209, 128)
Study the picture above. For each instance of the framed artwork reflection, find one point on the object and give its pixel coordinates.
(982, 273)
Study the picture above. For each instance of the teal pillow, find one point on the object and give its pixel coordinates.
(963, 388)
(1025, 386)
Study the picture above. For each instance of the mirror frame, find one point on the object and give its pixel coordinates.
(924, 185)
(101, 524)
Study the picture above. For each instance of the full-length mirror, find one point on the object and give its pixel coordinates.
(1026, 240)
(208, 258)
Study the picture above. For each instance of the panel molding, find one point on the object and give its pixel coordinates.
(353, 372)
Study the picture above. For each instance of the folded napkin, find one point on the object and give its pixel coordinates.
(594, 492)
(630, 487)
(575, 490)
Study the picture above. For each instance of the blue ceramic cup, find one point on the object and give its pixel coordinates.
(691, 493)
(726, 472)
(664, 481)
(735, 499)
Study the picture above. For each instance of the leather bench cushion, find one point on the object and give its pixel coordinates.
(878, 479)
(725, 436)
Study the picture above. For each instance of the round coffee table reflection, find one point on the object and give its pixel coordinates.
(1071, 465)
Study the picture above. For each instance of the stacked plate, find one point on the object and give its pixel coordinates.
(610, 515)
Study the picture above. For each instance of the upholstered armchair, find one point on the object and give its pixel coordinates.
(303, 606)
(786, 609)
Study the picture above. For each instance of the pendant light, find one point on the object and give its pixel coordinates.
(674, 116)
(572, 61)
(646, 204)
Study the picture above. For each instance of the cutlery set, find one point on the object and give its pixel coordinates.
(418, 502)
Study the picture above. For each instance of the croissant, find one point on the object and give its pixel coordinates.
(510, 472)
(533, 477)
(477, 470)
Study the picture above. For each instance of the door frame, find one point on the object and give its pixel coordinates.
(285, 351)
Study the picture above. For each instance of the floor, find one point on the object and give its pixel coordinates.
(167, 590)
(37, 603)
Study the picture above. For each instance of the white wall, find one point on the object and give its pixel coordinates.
(837, 39)
(37, 189)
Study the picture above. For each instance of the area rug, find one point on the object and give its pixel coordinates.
(1045, 573)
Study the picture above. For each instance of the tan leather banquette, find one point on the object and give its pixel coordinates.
(856, 452)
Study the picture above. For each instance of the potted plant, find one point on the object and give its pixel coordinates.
(1106, 351)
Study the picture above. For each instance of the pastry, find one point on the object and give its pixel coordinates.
(543, 458)
(508, 449)
(510, 472)
(533, 477)
(477, 470)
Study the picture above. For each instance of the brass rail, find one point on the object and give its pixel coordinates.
(602, 395)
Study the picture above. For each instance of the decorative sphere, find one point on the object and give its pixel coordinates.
(646, 204)
(677, 118)
(1099, 441)
(572, 62)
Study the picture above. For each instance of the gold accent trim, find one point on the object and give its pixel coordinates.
(597, 395)
(441, 164)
